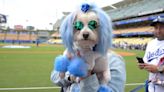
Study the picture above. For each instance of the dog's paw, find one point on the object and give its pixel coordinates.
(104, 88)
(78, 67)
(61, 63)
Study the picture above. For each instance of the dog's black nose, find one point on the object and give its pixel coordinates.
(85, 36)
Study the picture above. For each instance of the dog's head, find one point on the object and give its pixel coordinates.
(85, 33)
(87, 26)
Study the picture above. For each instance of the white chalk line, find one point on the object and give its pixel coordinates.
(25, 88)
(134, 84)
(28, 88)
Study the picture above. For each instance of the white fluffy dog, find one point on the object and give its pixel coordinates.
(87, 33)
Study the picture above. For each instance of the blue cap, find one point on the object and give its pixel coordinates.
(159, 19)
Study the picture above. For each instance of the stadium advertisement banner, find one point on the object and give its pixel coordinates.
(132, 34)
(43, 34)
(18, 27)
(141, 19)
(30, 27)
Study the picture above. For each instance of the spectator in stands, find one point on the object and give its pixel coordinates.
(154, 58)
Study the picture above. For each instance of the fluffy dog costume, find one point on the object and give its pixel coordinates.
(86, 34)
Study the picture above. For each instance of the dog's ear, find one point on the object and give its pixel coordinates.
(66, 31)
(105, 32)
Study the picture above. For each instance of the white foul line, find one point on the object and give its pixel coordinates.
(133, 84)
(27, 88)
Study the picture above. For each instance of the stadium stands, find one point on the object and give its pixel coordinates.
(131, 43)
(14, 37)
(132, 20)
(137, 8)
(134, 30)
(132, 40)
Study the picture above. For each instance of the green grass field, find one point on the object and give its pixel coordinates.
(23, 68)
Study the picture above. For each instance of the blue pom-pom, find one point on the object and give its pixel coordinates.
(78, 67)
(104, 88)
(61, 63)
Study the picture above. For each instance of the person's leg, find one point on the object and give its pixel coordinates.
(146, 85)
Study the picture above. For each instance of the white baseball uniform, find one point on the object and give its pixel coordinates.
(153, 54)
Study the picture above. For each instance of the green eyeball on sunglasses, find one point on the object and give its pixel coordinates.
(92, 24)
(78, 25)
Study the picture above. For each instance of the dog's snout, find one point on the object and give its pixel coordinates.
(85, 36)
